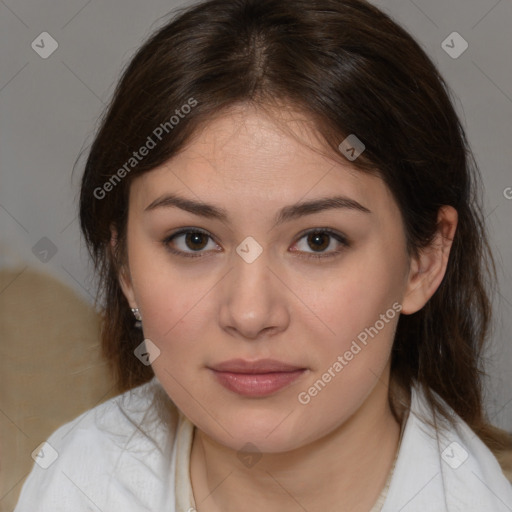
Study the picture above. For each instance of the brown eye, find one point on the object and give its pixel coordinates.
(195, 240)
(318, 240)
(187, 242)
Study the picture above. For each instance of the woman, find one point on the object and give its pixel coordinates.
(283, 197)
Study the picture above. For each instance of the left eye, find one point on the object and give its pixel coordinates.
(320, 240)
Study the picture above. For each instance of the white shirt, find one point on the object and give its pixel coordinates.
(129, 455)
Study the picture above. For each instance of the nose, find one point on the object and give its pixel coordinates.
(254, 300)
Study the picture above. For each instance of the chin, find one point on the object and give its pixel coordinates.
(266, 432)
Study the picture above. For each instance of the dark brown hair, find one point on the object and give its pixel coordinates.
(351, 70)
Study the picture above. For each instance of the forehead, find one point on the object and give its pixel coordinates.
(246, 157)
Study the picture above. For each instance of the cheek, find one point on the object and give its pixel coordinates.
(360, 308)
(356, 294)
(172, 302)
(175, 321)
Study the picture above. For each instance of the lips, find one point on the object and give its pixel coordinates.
(259, 366)
(256, 378)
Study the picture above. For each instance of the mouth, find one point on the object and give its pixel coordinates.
(256, 378)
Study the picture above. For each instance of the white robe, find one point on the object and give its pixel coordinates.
(122, 457)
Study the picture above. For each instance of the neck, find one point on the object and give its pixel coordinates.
(348, 467)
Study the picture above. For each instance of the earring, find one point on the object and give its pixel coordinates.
(138, 318)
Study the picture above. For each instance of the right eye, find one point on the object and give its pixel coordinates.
(190, 238)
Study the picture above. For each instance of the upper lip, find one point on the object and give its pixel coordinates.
(258, 366)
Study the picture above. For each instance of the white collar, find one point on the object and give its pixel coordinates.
(448, 470)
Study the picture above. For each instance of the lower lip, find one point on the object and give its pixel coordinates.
(257, 384)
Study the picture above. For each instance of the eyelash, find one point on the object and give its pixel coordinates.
(337, 236)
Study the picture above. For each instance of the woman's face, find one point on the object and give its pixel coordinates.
(254, 285)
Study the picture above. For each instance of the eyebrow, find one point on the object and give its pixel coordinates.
(286, 213)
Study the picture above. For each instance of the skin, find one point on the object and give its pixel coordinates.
(205, 310)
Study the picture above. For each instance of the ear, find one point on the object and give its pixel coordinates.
(125, 280)
(427, 271)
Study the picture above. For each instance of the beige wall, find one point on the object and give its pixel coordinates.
(50, 369)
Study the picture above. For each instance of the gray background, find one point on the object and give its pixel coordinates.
(50, 107)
